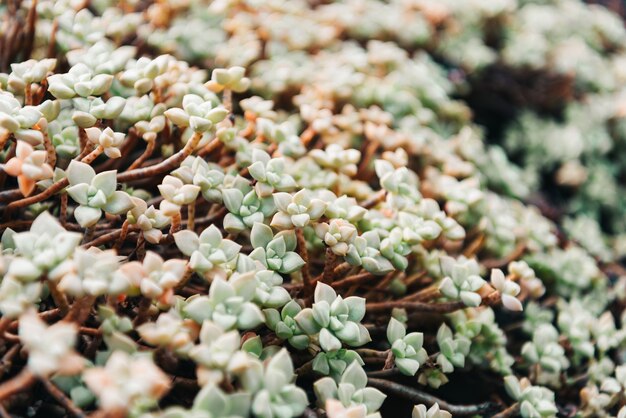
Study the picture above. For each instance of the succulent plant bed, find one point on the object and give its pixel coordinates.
(241, 208)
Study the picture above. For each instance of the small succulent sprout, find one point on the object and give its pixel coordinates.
(336, 158)
(351, 390)
(153, 277)
(90, 272)
(345, 207)
(50, 109)
(395, 249)
(399, 182)
(269, 174)
(268, 293)
(212, 402)
(29, 166)
(103, 57)
(338, 235)
(616, 383)
(171, 331)
(209, 177)
(197, 113)
(176, 194)
(365, 251)
(209, 251)
(50, 348)
(285, 326)
(406, 348)
(140, 74)
(526, 275)
(279, 396)
(275, 252)
(29, 72)
(284, 135)
(127, 382)
(87, 111)
(535, 401)
(65, 140)
(149, 219)
(109, 140)
(244, 206)
(421, 411)
(335, 409)
(429, 209)
(297, 210)
(18, 120)
(334, 363)
(258, 107)
(79, 81)
(508, 290)
(228, 303)
(545, 350)
(416, 229)
(453, 349)
(214, 352)
(461, 281)
(114, 328)
(231, 79)
(17, 296)
(337, 320)
(44, 247)
(95, 193)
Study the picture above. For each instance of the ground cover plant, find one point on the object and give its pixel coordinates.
(242, 208)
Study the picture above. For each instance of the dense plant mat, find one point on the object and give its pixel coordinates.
(245, 208)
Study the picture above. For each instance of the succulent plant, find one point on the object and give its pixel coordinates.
(298, 210)
(351, 389)
(245, 207)
(50, 349)
(283, 323)
(95, 193)
(337, 320)
(275, 252)
(208, 252)
(228, 303)
(79, 81)
(461, 281)
(407, 349)
(176, 194)
(535, 401)
(200, 115)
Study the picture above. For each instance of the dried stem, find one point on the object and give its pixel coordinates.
(445, 307)
(417, 396)
(122, 236)
(511, 411)
(150, 146)
(62, 398)
(59, 298)
(165, 165)
(306, 273)
(329, 266)
(191, 215)
(18, 383)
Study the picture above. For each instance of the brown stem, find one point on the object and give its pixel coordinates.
(191, 215)
(227, 100)
(80, 309)
(306, 273)
(103, 239)
(185, 279)
(89, 158)
(18, 383)
(140, 249)
(417, 396)
(143, 157)
(60, 301)
(142, 311)
(52, 155)
(511, 411)
(165, 165)
(424, 295)
(445, 307)
(329, 266)
(62, 399)
(63, 209)
(122, 236)
(355, 279)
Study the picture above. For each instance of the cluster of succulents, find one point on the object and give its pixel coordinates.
(283, 209)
